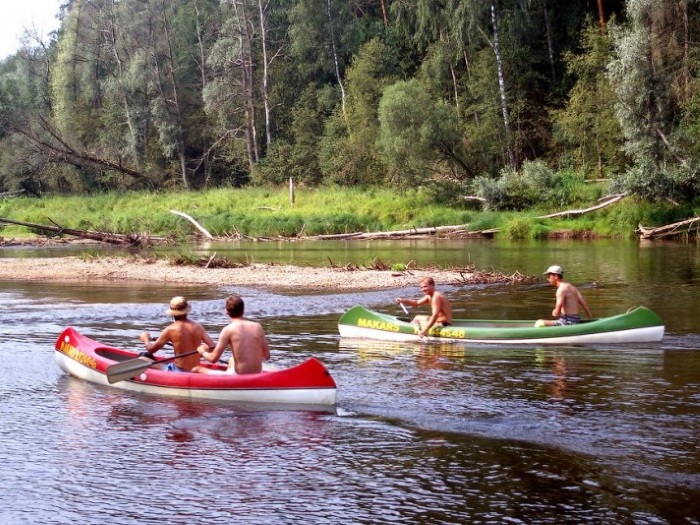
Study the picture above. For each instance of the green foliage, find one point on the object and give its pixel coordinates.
(623, 219)
(404, 109)
(517, 228)
(535, 186)
(483, 117)
(587, 128)
(653, 99)
(515, 190)
(346, 97)
(300, 159)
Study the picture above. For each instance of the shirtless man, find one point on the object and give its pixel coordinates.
(568, 300)
(440, 307)
(246, 339)
(185, 335)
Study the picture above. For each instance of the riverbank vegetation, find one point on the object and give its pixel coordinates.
(268, 212)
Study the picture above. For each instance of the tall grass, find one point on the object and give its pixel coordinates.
(249, 211)
(258, 212)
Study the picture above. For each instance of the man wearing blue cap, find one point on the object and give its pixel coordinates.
(568, 300)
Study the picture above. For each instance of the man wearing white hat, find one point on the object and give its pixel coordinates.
(568, 300)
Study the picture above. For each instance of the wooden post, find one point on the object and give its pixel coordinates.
(291, 191)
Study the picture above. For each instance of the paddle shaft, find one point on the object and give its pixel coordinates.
(222, 361)
(133, 367)
(403, 307)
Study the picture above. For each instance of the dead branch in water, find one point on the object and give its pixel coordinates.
(388, 234)
(132, 239)
(196, 224)
(676, 228)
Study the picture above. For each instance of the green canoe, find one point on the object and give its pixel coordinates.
(637, 325)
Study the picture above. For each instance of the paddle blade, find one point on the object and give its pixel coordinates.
(128, 369)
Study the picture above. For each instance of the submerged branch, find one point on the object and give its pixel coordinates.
(106, 237)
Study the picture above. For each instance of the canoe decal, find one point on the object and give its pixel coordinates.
(458, 333)
(77, 355)
(378, 325)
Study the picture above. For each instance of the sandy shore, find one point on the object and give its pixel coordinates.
(269, 276)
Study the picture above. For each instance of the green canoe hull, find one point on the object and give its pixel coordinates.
(637, 325)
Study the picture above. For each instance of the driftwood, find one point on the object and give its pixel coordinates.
(106, 237)
(397, 233)
(10, 193)
(196, 224)
(610, 200)
(462, 229)
(677, 228)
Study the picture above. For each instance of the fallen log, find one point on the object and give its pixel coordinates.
(196, 224)
(388, 234)
(676, 228)
(10, 193)
(106, 237)
(611, 199)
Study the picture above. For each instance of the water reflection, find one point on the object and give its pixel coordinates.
(423, 434)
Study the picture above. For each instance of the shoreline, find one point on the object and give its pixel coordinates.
(267, 276)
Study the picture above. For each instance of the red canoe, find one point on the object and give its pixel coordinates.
(306, 383)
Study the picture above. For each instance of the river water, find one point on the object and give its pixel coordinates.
(421, 434)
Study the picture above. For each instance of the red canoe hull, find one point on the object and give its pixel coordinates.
(306, 383)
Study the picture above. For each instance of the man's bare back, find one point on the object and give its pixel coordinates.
(568, 299)
(248, 343)
(246, 338)
(184, 334)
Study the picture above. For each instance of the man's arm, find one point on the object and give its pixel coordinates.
(559, 305)
(207, 338)
(413, 302)
(213, 355)
(436, 308)
(156, 345)
(266, 348)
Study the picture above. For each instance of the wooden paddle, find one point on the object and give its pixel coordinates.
(134, 367)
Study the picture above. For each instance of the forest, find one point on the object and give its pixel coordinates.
(503, 100)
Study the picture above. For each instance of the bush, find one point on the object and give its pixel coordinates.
(517, 228)
(534, 186)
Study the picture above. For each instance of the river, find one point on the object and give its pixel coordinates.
(422, 434)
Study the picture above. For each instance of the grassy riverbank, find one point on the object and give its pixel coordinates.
(259, 212)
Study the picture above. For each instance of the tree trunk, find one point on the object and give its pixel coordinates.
(266, 96)
(175, 102)
(107, 237)
(246, 46)
(384, 17)
(550, 45)
(204, 160)
(601, 15)
(336, 60)
(502, 87)
(111, 38)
